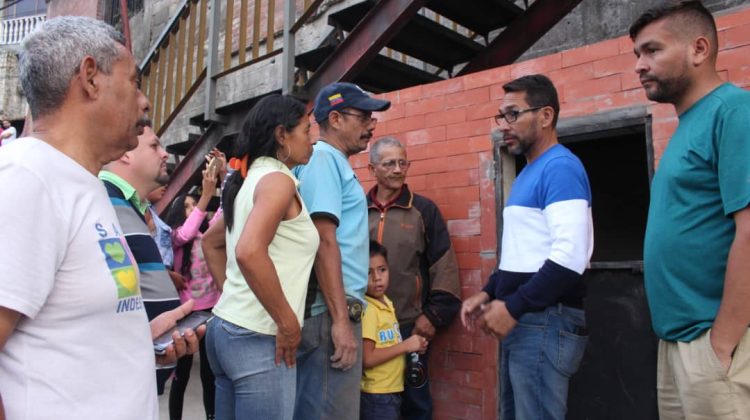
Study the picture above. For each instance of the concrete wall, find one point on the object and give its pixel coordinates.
(91, 8)
(446, 127)
(594, 21)
(148, 24)
(12, 102)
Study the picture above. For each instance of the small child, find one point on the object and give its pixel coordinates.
(382, 349)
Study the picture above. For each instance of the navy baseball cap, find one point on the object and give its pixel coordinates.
(340, 95)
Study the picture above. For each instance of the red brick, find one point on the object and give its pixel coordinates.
(591, 52)
(425, 135)
(424, 106)
(625, 44)
(466, 227)
(733, 58)
(471, 279)
(469, 129)
(443, 87)
(740, 77)
(487, 77)
(544, 64)
(623, 63)
(359, 160)
(630, 80)
(467, 98)
(574, 74)
(663, 129)
(417, 183)
(726, 20)
(405, 124)
(454, 410)
(454, 211)
(396, 111)
(464, 361)
(577, 108)
(444, 164)
(450, 116)
(410, 94)
(663, 111)
(461, 343)
(465, 243)
(446, 391)
(623, 99)
(461, 178)
(469, 261)
(497, 92)
(483, 111)
(591, 88)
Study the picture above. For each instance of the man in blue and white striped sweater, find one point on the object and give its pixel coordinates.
(534, 302)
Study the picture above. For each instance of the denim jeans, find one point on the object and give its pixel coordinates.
(324, 392)
(379, 406)
(417, 402)
(249, 385)
(537, 360)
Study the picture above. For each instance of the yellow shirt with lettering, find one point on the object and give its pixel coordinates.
(379, 324)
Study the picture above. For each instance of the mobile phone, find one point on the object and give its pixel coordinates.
(192, 321)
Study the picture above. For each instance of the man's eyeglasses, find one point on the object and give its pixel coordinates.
(512, 116)
(365, 118)
(391, 164)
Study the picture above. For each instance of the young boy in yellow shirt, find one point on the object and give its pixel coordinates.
(382, 349)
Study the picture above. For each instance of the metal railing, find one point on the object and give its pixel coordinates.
(13, 30)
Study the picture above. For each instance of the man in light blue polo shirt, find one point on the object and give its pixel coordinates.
(330, 355)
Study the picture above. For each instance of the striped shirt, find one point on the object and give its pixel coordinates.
(157, 289)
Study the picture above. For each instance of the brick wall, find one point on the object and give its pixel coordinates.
(446, 126)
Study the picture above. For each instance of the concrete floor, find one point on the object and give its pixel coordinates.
(193, 403)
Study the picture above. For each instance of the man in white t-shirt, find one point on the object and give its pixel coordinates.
(74, 339)
(8, 134)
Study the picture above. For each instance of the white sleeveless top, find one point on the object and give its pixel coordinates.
(292, 251)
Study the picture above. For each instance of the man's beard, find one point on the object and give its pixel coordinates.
(162, 179)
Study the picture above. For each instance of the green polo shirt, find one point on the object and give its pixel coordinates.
(127, 190)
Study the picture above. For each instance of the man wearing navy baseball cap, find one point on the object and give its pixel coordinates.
(328, 385)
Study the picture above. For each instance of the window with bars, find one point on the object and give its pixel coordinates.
(112, 13)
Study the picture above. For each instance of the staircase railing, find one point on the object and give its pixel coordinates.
(178, 62)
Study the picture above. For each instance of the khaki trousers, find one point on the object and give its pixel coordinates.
(692, 385)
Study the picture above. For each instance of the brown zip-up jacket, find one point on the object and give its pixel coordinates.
(422, 263)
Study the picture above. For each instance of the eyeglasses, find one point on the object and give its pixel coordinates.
(366, 119)
(512, 116)
(391, 164)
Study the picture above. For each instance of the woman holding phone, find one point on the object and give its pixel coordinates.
(270, 244)
(188, 219)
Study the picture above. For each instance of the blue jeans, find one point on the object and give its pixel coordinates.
(324, 392)
(379, 406)
(417, 402)
(249, 385)
(537, 360)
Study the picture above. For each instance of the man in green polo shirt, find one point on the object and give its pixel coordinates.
(129, 180)
(697, 247)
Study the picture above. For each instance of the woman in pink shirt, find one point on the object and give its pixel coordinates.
(187, 217)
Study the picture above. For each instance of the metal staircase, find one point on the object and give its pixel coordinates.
(382, 45)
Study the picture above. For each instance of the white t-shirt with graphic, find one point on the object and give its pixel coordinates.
(82, 349)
